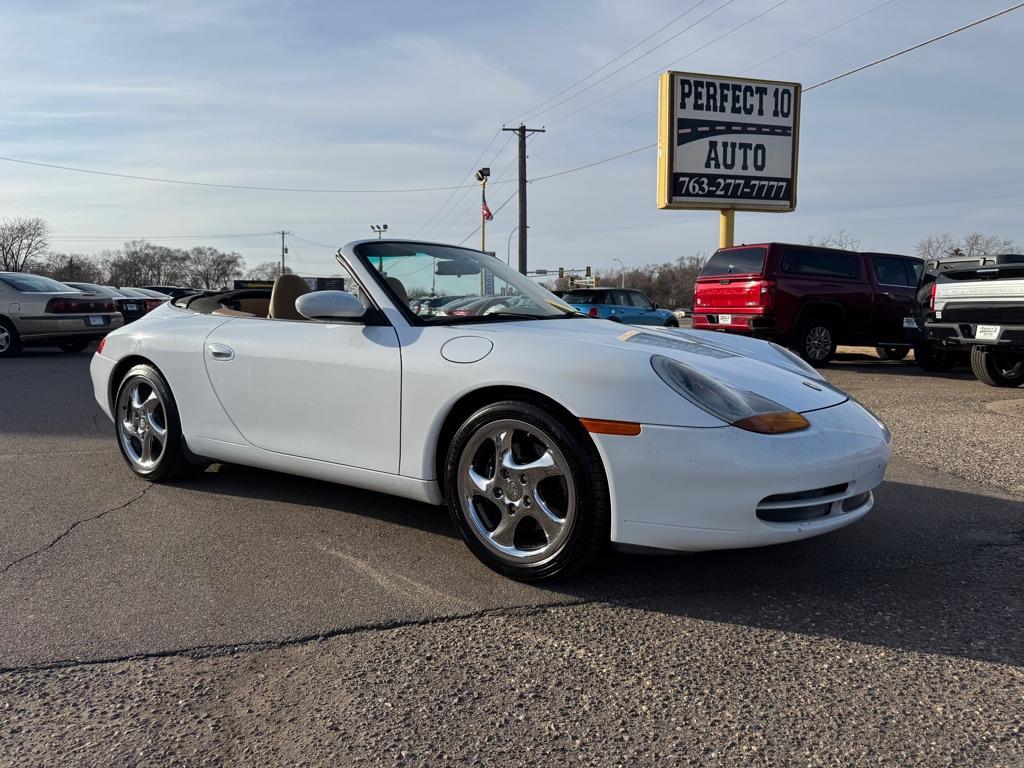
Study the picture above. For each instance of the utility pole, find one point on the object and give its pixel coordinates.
(284, 248)
(521, 131)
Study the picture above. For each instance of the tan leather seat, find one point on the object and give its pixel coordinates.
(287, 288)
(396, 285)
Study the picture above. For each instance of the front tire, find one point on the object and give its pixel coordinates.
(527, 491)
(10, 340)
(671, 323)
(816, 341)
(997, 368)
(892, 353)
(148, 428)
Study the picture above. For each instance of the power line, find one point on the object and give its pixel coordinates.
(495, 212)
(68, 238)
(504, 171)
(914, 47)
(658, 71)
(526, 115)
(819, 35)
(809, 88)
(633, 61)
(451, 194)
(160, 180)
(426, 230)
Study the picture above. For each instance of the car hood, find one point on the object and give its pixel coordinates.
(743, 363)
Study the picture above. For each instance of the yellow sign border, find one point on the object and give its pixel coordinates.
(666, 147)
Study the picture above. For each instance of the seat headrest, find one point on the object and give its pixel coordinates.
(287, 288)
(397, 286)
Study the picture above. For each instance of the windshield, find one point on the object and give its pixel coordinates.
(35, 284)
(482, 289)
(738, 261)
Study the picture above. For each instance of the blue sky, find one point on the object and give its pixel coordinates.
(407, 94)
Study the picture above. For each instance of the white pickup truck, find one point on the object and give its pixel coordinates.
(981, 306)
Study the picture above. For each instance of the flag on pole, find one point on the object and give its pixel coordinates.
(484, 210)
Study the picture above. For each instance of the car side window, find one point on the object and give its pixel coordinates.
(830, 264)
(622, 299)
(638, 300)
(890, 270)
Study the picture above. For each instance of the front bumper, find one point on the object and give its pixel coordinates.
(698, 489)
(965, 334)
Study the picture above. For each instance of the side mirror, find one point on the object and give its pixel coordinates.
(329, 305)
(654, 305)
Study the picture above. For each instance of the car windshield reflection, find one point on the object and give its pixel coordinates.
(445, 284)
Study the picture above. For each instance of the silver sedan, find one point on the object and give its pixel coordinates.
(38, 311)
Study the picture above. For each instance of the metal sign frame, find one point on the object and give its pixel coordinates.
(667, 146)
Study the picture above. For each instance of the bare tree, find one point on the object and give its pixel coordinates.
(840, 239)
(977, 244)
(934, 246)
(210, 268)
(75, 267)
(267, 270)
(974, 244)
(21, 242)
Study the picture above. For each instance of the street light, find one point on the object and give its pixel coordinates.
(380, 229)
(622, 273)
(508, 245)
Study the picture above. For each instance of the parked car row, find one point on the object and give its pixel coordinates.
(40, 311)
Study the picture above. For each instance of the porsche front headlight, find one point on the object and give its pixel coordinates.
(743, 409)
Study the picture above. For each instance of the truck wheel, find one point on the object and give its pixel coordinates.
(816, 341)
(997, 368)
(934, 359)
(892, 353)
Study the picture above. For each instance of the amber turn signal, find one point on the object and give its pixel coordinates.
(773, 423)
(606, 427)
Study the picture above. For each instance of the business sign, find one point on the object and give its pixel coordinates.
(727, 142)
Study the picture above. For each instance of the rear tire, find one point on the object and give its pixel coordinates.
(816, 341)
(934, 359)
(527, 491)
(73, 346)
(892, 353)
(997, 368)
(10, 341)
(148, 428)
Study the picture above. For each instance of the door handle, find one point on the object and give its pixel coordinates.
(220, 352)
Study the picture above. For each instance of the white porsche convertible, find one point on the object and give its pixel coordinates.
(547, 433)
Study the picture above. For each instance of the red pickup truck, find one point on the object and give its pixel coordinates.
(810, 298)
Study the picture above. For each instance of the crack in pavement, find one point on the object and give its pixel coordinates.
(72, 527)
(217, 650)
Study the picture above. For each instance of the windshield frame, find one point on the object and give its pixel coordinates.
(358, 252)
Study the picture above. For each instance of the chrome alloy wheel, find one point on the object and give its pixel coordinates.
(819, 342)
(517, 492)
(141, 423)
(5, 339)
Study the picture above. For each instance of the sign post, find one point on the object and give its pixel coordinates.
(727, 143)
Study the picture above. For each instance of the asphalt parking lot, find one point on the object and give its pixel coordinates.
(249, 618)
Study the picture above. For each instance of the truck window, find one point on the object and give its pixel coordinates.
(890, 270)
(821, 263)
(739, 261)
